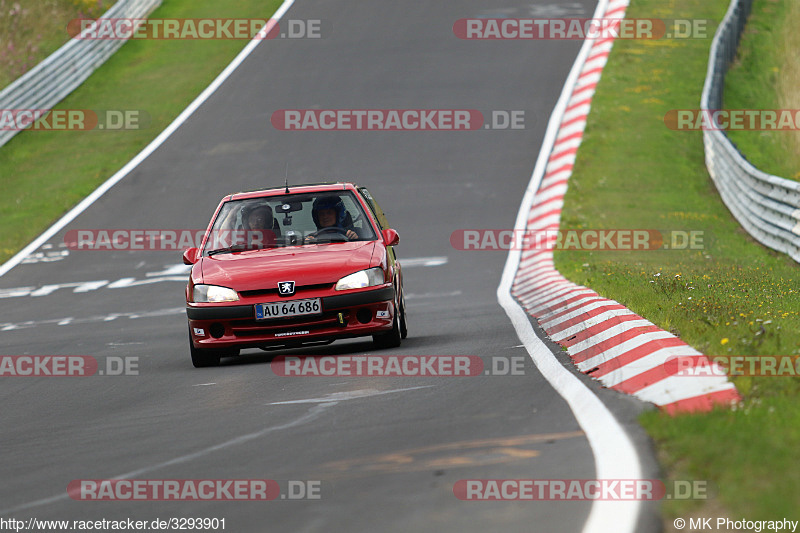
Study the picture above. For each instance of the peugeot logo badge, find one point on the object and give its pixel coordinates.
(286, 288)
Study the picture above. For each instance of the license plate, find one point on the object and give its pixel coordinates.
(311, 306)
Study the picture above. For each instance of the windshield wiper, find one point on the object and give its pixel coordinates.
(229, 249)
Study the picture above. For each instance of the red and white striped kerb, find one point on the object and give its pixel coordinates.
(604, 339)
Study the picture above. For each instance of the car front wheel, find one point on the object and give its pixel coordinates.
(203, 358)
(391, 339)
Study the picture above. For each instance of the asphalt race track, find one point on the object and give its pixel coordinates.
(386, 451)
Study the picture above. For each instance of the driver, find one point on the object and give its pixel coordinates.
(329, 212)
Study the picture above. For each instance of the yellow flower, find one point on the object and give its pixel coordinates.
(724, 341)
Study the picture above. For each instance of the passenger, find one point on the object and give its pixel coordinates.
(259, 225)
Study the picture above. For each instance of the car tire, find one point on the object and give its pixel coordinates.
(403, 323)
(203, 358)
(391, 339)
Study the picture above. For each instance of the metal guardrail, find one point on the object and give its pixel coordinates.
(60, 73)
(767, 206)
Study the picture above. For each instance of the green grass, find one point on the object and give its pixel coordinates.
(734, 297)
(44, 174)
(32, 30)
(765, 77)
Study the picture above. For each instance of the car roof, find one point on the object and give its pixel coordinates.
(293, 189)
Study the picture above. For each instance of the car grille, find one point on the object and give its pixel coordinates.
(297, 291)
(254, 328)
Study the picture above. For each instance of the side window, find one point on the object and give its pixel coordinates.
(379, 216)
(356, 212)
(376, 209)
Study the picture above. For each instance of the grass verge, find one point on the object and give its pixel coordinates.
(45, 173)
(732, 297)
(31, 31)
(766, 75)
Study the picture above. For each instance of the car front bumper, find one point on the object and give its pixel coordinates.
(354, 314)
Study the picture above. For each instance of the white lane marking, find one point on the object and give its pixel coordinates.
(555, 9)
(203, 384)
(422, 261)
(348, 395)
(12, 326)
(87, 286)
(149, 149)
(172, 270)
(14, 293)
(123, 343)
(312, 413)
(413, 296)
(78, 287)
(133, 282)
(170, 273)
(614, 453)
(45, 257)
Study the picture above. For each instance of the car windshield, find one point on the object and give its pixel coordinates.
(289, 220)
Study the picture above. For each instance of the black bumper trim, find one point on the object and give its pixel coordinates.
(220, 313)
(359, 298)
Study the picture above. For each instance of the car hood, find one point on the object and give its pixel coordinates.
(306, 265)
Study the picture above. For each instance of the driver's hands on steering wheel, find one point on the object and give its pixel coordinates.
(349, 234)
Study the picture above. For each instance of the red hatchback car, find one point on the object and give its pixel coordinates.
(294, 266)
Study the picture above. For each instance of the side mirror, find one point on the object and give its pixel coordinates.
(390, 237)
(190, 256)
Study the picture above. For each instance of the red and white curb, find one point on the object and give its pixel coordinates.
(605, 340)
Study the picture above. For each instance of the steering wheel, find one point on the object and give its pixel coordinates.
(332, 229)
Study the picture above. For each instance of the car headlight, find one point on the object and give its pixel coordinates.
(213, 293)
(363, 278)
